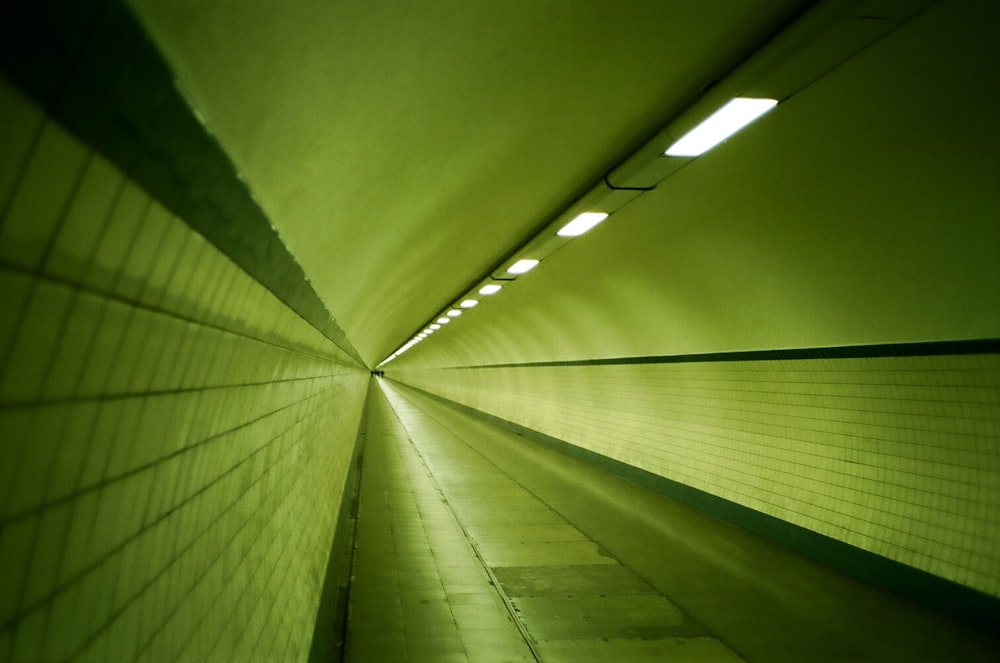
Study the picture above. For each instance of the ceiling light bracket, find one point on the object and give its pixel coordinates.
(607, 183)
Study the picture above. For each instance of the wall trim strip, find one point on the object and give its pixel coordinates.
(873, 351)
(94, 69)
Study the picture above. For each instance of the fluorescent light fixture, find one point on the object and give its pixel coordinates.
(720, 125)
(428, 331)
(454, 313)
(469, 303)
(443, 321)
(490, 289)
(581, 224)
(522, 266)
(435, 326)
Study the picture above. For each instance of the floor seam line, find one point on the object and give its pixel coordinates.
(508, 604)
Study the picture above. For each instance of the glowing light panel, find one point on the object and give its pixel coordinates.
(581, 224)
(522, 266)
(720, 125)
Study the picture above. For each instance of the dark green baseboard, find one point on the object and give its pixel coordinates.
(964, 603)
(330, 630)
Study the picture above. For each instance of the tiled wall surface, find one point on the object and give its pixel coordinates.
(897, 456)
(173, 439)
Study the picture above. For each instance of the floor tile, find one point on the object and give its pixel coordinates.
(675, 650)
(576, 579)
(494, 548)
(414, 565)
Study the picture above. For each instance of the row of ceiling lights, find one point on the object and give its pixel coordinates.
(827, 35)
(716, 128)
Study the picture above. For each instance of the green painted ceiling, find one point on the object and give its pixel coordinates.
(402, 149)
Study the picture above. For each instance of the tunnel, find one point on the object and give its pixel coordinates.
(447, 331)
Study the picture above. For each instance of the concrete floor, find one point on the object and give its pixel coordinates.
(474, 544)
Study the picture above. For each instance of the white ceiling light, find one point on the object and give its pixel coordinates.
(490, 289)
(454, 313)
(581, 224)
(435, 326)
(469, 303)
(522, 266)
(443, 321)
(720, 125)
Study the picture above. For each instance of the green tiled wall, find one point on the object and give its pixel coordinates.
(898, 456)
(174, 440)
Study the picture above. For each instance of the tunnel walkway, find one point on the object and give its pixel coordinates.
(476, 544)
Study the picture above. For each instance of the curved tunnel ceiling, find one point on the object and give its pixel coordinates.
(864, 210)
(402, 148)
(401, 151)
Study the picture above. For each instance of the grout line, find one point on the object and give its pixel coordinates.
(138, 303)
(106, 481)
(101, 397)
